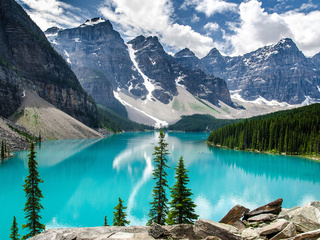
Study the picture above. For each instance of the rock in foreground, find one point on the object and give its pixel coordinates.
(292, 224)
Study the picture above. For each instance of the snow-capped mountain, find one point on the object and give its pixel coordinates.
(141, 74)
(277, 72)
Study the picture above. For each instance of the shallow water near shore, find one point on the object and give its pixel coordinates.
(84, 178)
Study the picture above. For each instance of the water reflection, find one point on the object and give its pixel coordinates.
(84, 178)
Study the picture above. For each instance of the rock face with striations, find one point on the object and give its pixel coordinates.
(141, 67)
(100, 58)
(165, 73)
(277, 72)
(29, 61)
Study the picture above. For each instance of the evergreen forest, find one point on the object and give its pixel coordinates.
(294, 132)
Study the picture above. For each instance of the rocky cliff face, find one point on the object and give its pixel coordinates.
(316, 60)
(141, 67)
(29, 61)
(100, 59)
(164, 73)
(277, 72)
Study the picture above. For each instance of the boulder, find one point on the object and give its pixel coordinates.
(204, 228)
(239, 225)
(265, 217)
(312, 235)
(285, 213)
(304, 224)
(182, 231)
(158, 231)
(212, 238)
(274, 227)
(310, 211)
(250, 233)
(234, 214)
(273, 207)
(289, 231)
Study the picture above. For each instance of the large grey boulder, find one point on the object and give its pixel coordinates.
(304, 224)
(312, 235)
(274, 227)
(310, 211)
(204, 228)
(234, 214)
(265, 217)
(289, 231)
(250, 234)
(182, 231)
(97, 233)
(158, 231)
(272, 207)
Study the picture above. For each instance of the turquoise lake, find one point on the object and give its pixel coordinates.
(84, 178)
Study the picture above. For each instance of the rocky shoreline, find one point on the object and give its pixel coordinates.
(268, 222)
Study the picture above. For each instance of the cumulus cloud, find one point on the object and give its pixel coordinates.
(209, 7)
(258, 28)
(49, 13)
(195, 18)
(210, 26)
(136, 17)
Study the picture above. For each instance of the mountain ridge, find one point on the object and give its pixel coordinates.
(281, 68)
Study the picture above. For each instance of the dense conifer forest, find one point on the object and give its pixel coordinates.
(199, 123)
(294, 132)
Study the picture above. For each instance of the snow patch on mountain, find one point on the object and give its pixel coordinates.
(158, 123)
(147, 82)
(260, 100)
(93, 22)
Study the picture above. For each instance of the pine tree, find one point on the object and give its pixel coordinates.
(33, 195)
(105, 221)
(181, 205)
(119, 216)
(2, 150)
(159, 208)
(14, 235)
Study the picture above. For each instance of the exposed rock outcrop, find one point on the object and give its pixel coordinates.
(29, 61)
(277, 72)
(202, 229)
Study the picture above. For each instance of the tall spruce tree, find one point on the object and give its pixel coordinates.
(2, 150)
(33, 194)
(181, 205)
(159, 208)
(119, 216)
(14, 235)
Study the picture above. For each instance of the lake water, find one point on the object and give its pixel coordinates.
(84, 178)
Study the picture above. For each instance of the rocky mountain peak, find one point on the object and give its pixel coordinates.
(184, 53)
(52, 31)
(94, 21)
(213, 53)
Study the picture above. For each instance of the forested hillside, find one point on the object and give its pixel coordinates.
(292, 132)
(199, 123)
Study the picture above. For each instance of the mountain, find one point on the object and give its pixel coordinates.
(100, 59)
(277, 72)
(27, 61)
(316, 60)
(140, 74)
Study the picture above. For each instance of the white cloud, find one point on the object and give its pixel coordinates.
(259, 28)
(210, 7)
(195, 18)
(210, 26)
(49, 13)
(136, 17)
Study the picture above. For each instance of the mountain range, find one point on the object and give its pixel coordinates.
(278, 72)
(73, 69)
(144, 77)
(140, 70)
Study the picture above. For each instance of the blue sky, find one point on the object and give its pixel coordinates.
(234, 27)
